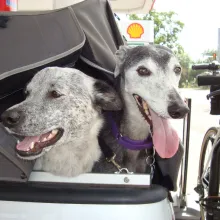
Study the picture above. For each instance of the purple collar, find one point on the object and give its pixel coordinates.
(125, 141)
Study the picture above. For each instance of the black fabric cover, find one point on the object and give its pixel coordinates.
(166, 170)
(102, 39)
(11, 167)
(102, 34)
(31, 42)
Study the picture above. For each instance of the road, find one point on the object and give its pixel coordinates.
(201, 120)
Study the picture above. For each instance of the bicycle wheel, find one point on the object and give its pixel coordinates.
(205, 152)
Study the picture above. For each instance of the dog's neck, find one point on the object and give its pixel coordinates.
(133, 125)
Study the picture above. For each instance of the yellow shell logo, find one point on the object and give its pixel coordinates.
(135, 30)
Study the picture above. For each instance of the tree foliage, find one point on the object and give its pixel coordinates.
(166, 28)
(208, 55)
(186, 63)
(189, 76)
(166, 32)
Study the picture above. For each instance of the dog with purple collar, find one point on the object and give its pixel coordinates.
(146, 78)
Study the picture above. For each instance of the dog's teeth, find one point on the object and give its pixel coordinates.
(145, 106)
(147, 112)
(54, 132)
(18, 141)
(50, 136)
(32, 145)
(44, 139)
(149, 117)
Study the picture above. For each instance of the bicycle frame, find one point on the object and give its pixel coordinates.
(213, 161)
(211, 153)
(213, 189)
(215, 171)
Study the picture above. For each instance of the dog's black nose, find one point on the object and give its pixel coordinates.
(176, 111)
(10, 118)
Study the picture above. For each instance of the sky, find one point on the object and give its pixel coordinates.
(201, 19)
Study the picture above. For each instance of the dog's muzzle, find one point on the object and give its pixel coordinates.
(177, 111)
(11, 118)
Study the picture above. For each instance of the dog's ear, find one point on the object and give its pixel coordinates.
(106, 97)
(120, 56)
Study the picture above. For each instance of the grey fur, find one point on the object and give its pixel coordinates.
(127, 56)
(77, 111)
(159, 90)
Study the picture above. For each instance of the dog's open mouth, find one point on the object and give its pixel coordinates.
(143, 108)
(34, 146)
(165, 138)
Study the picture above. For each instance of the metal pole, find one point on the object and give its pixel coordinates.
(186, 138)
(218, 50)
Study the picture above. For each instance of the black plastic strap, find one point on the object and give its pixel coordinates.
(162, 180)
(106, 150)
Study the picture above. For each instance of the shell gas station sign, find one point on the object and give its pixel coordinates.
(135, 31)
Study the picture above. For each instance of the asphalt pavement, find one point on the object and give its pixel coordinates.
(201, 120)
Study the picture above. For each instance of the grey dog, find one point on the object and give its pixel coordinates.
(60, 119)
(147, 79)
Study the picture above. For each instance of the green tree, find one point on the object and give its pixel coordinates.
(186, 63)
(166, 28)
(208, 55)
(189, 76)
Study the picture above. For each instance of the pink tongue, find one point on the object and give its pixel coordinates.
(165, 138)
(26, 143)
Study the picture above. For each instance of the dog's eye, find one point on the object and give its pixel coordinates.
(177, 70)
(142, 71)
(55, 94)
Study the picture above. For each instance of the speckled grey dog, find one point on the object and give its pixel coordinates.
(61, 119)
(147, 79)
